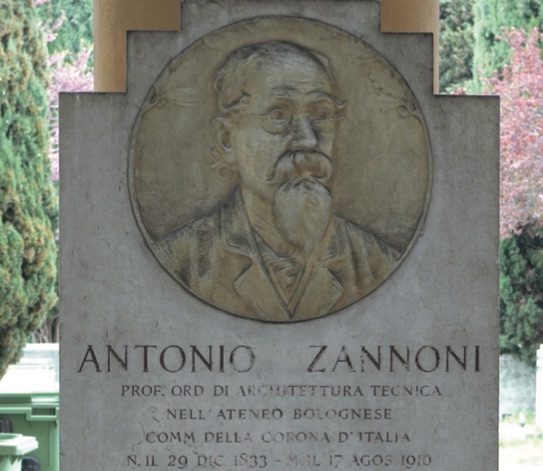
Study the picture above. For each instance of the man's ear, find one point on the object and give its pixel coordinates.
(222, 141)
(223, 155)
(221, 135)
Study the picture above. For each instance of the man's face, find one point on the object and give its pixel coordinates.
(290, 108)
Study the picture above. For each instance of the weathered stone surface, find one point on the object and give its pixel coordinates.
(403, 375)
(268, 187)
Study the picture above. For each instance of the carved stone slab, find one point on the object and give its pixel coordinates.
(272, 163)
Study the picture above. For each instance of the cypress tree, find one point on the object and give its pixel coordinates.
(28, 199)
(521, 293)
(455, 43)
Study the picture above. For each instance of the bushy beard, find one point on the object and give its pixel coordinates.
(302, 202)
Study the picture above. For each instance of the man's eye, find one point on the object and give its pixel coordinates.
(279, 115)
(322, 115)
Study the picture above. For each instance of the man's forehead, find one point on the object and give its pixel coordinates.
(312, 82)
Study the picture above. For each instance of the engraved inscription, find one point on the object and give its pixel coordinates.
(239, 422)
(227, 425)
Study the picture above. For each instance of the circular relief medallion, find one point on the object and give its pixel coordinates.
(280, 169)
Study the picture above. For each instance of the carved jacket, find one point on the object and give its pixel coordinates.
(216, 257)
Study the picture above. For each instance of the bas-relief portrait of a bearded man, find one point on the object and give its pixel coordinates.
(274, 249)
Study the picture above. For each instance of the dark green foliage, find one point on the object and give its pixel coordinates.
(76, 29)
(521, 293)
(491, 17)
(28, 201)
(455, 43)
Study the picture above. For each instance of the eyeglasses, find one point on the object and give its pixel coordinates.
(280, 119)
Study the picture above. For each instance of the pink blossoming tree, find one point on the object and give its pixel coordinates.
(520, 86)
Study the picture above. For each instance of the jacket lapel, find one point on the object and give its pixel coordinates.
(319, 296)
(253, 285)
(255, 288)
(323, 289)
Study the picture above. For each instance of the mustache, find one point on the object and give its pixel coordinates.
(294, 165)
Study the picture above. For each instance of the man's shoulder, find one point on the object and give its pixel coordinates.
(366, 241)
(211, 222)
(201, 228)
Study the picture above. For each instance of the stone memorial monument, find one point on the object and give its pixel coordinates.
(279, 251)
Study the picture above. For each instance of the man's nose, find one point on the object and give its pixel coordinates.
(303, 134)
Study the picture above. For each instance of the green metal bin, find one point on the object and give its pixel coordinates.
(35, 415)
(12, 448)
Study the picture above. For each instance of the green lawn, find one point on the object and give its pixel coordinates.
(521, 448)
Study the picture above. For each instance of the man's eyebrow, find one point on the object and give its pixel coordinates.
(285, 90)
(319, 93)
